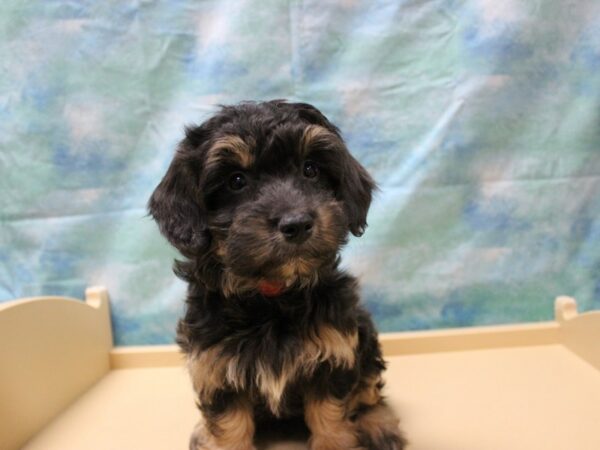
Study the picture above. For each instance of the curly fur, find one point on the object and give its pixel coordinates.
(309, 352)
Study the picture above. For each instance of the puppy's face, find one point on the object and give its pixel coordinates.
(269, 190)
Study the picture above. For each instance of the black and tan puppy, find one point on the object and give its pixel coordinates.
(259, 199)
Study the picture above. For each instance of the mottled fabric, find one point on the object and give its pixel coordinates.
(479, 119)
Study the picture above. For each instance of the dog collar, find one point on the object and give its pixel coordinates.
(271, 288)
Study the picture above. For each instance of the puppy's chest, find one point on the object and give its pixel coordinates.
(265, 365)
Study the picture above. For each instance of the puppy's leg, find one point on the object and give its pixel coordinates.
(226, 425)
(376, 424)
(328, 422)
(377, 428)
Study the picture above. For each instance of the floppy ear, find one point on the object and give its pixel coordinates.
(355, 190)
(176, 204)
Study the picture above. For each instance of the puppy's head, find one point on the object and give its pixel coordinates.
(268, 191)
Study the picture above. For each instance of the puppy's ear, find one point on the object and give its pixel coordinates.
(177, 206)
(355, 190)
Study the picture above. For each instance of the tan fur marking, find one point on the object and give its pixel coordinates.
(287, 270)
(230, 145)
(327, 343)
(305, 267)
(210, 368)
(206, 371)
(272, 385)
(232, 430)
(235, 428)
(330, 428)
(232, 284)
(304, 270)
(219, 249)
(312, 134)
(324, 344)
(327, 213)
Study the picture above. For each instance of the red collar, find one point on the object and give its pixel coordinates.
(271, 288)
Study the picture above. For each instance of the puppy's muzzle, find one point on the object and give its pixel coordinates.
(296, 226)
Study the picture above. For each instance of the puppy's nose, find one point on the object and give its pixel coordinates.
(296, 227)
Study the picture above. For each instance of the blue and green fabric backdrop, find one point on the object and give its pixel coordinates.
(479, 119)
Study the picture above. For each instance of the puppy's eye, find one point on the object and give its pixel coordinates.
(237, 181)
(310, 169)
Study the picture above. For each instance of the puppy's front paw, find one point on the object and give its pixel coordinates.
(198, 439)
(385, 441)
(334, 442)
(202, 440)
(378, 429)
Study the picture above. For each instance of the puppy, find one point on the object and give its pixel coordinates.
(259, 199)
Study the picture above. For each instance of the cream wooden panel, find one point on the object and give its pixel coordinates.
(52, 349)
(579, 332)
(146, 356)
